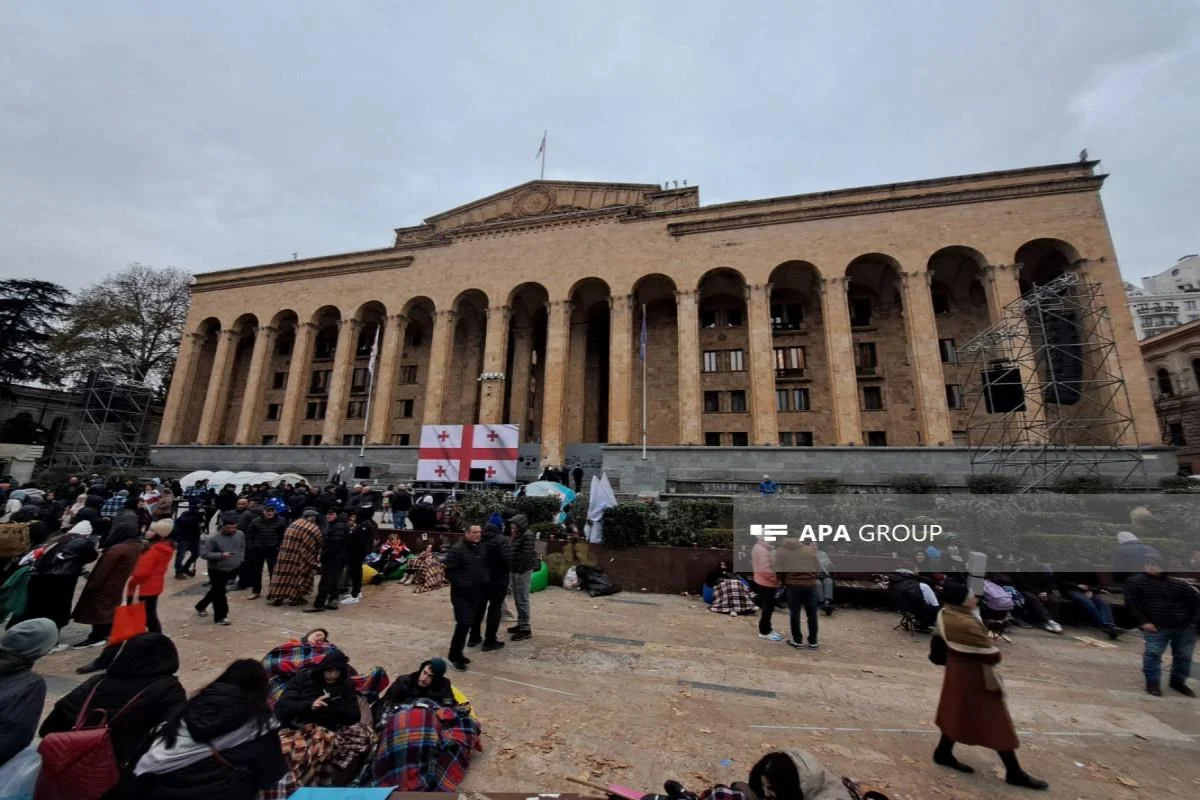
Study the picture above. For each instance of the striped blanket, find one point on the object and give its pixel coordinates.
(289, 658)
(425, 748)
(732, 597)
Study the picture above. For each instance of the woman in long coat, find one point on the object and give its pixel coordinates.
(972, 710)
(299, 559)
(102, 593)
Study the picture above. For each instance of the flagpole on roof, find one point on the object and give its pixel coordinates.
(643, 349)
(542, 152)
(362, 448)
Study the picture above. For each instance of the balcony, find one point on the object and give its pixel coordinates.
(868, 373)
(781, 327)
(793, 374)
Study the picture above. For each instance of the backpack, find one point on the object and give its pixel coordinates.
(996, 598)
(80, 764)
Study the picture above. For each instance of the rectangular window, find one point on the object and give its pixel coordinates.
(356, 409)
(408, 374)
(781, 399)
(740, 439)
(860, 312)
(320, 381)
(737, 361)
(406, 408)
(712, 439)
(284, 346)
(279, 380)
(400, 439)
(355, 439)
(864, 356)
(708, 318)
(1176, 434)
(326, 345)
(804, 439)
(268, 439)
(787, 316)
(359, 380)
(876, 438)
(790, 358)
(712, 402)
(737, 401)
(415, 339)
(872, 398)
(785, 438)
(800, 400)
(712, 360)
(310, 439)
(315, 410)
(274, 410)
(954, 397)
(733, 317)
(948, 351)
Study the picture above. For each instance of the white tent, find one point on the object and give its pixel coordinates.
(192, 478)
(216, 480)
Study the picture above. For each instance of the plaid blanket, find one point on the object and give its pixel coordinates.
(299, 559)
(424, 748)
(731, 596)
(289, 658)
(315, 755)
(429, 573)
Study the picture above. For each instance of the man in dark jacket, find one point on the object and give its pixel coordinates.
(321, 694)
(1128, 557)
(226, 500)
(467, 571)
(358, 544)
(497, 554)
(333, 561)
(263, 536)
(1166, 609)
(186, 534)
(522, 562)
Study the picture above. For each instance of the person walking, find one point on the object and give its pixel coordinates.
(972, 710)
(151, 569)
(498, 555)
(186, 534)
(766, 584)
(224, 551)
(577, 478)
(800, 585)
(466, 568)
(103, 591)
(299, 559)
(333, 561)
(263, 537)
(1166, 609)
(523, 560)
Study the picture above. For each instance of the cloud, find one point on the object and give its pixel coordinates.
(214, 135)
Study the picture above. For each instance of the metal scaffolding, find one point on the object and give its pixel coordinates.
(1047, 398)
(113, 419)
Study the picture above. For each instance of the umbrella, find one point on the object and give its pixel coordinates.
(550, 489)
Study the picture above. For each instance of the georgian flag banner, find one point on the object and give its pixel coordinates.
(449, 452)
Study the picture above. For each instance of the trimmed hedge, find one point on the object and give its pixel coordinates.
(913, 484)
(1082, 484)
(631, 525)
(992, 484)
(823, 485)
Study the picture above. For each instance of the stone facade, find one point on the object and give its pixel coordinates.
(804, 320)
(1173, 366)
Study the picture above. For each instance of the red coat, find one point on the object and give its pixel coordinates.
(152, 568)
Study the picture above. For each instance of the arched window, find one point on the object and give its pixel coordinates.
(1164, 383)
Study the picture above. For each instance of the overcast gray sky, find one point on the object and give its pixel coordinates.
(212, 135)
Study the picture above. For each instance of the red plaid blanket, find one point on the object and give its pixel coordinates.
(288, 659)
(426, 749)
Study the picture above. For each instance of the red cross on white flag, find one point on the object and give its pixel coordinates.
(449, 452)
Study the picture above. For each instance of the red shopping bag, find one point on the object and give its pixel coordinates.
(129, 619)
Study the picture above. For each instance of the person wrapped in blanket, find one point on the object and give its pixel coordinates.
(726, 594)
(291, 658)
(390, 561)
(428, 571)
(427, 733)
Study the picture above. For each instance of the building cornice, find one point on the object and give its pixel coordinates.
(298, 270)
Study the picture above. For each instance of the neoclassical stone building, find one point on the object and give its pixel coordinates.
(827, 319)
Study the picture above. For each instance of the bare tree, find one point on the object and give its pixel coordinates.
(129, 322)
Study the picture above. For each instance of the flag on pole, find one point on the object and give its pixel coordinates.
(374, 353)
(448, 453)
(642, 337)
(542, 146)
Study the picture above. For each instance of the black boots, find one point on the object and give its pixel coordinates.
(1152, 688)
(1180, 685)
(944, 756)
(1015, 776)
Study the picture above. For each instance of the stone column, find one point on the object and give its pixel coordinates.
(297, 383)
(217, 397)
(384, 390)
(518, 406)
(620, 362)
(929, 382)
(495, 355)
(762, 365)
(689, 366)
(264, 342)
(558, 342)
(339, 381)
(183, 381)
(439, 358)
(839, 351)
(1002, 286)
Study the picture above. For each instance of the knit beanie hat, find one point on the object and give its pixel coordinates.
(438, 667)
(30, 639)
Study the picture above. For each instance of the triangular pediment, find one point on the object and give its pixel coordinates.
(544, 198)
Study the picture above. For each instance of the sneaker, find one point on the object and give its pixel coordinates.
(223, 621)
(314, 610)
(521, 636)
(813, 645)
(351, 599)
(86, 643)
(771, 637)
(1182, 687)
(794, 643)
(254, 595)
(58, 648)
(489, 647)
(201, 612)
(1053, 627)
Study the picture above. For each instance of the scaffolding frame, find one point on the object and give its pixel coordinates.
(1047, 437)
(113, 416)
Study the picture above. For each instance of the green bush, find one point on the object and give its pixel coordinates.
(913, 484)
(1082, 484)
(992, 484)
(685, 519)
(474, 508)
(543, 530)
(823, 485)
(716, 537)
(577, 516)
(631, 525)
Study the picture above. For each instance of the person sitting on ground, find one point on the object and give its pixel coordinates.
(428, 682)
(220, 744)
(729, 594)
(1167, 611)
(324, 733)
(137, 692)
(1075, 585)
(796, 774)
(428, 571)
(22, 691)
(293, 657)
(913, 593)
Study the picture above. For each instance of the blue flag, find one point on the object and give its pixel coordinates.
(642, 338)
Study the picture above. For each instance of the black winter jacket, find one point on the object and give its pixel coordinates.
(333, 543)
(466, 568)
(263, 532)
(497, 552)
(408, 690)
(295, 709)
(523, 554)
(1164, 601)
(68, 557)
